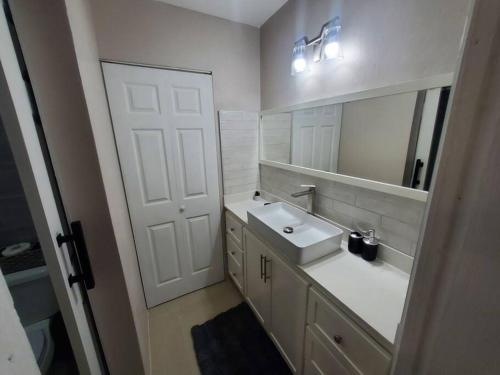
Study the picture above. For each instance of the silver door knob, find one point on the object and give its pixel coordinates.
(182, 208)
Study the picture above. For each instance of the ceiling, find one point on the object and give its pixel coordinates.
(250, 12)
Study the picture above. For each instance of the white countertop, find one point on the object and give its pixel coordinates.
(239, 205)
(374, 291)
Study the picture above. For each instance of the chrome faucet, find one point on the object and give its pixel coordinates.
(311, 193)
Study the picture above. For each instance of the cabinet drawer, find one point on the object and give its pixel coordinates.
(234, 228)
(234, 250)
(235, 271)
(342, 334)
(319, 360)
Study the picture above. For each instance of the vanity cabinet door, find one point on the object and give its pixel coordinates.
(288, 312)
(258, 289)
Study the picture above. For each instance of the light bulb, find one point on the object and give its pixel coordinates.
(299, 65)
(299, 62)
(332, 50)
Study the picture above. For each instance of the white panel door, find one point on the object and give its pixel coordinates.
(166, 138)
(316, 137)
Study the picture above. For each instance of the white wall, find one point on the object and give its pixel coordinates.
(384, 42)
(374, 137)
(85, 44)
(152, 32)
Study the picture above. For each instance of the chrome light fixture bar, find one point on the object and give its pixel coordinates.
(326, 46)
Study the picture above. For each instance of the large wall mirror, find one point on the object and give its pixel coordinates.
(391, 138)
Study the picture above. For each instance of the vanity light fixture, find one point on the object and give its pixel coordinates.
(299, 61)
(330, 45)
(326, 46)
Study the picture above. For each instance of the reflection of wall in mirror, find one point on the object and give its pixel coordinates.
(316, 137)
(276, 134)
(375, 136)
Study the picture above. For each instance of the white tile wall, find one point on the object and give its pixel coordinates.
(239, 132)
(396, 220)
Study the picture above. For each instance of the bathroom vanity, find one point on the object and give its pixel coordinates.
(335, 315)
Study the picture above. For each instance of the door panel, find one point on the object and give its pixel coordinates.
(258, 291)
(199, 236)
(187, 100)
(192, 162)
(151, 164)
(166, 262)
(171, 180)
(316, 137)
(142, 97)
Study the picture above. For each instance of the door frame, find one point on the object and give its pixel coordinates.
(18, 119)
(457, 230)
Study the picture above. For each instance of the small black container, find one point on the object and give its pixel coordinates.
(369, 247)
(355, 242)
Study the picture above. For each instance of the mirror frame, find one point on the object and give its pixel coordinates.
(417, 85)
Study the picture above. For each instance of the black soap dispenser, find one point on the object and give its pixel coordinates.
(369, 246)
(355, 242)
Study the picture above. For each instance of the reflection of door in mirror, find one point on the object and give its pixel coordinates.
(316, 137)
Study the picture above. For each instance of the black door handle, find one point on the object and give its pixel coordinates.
(84, 273)
(415, 181)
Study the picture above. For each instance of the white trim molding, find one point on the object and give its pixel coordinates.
(440, 80)
(418, 195)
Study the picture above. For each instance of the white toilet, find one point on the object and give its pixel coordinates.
(35, 303)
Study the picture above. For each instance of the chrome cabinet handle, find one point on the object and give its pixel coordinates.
(182, 208)
(261, 266)
(338, 339)
(266, 277)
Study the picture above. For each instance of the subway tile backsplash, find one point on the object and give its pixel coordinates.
(396, 220)
(240, 151)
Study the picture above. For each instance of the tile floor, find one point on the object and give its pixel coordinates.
(170, 326)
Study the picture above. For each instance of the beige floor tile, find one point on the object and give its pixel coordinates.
(170, 326)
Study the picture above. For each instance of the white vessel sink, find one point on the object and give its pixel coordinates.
(310, 237)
